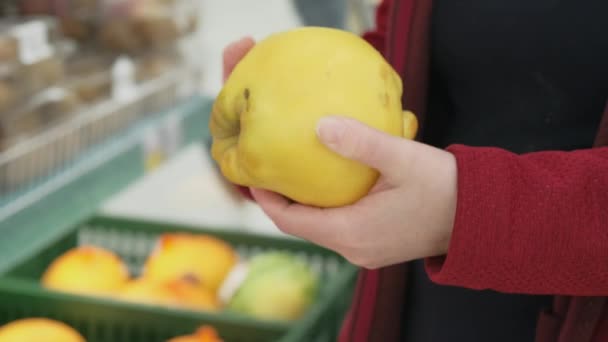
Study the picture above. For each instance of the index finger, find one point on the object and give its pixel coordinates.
(321, 226)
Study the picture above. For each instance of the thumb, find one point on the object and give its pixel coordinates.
(354, 140)
(233, 54)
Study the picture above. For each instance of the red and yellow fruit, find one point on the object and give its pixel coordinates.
(182, 293)
(39, 329)
(86, 270)
(201, 257)
(202, 334)
(264, 120)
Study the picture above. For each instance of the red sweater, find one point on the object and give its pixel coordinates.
(534, 223)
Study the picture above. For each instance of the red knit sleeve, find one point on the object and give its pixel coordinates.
(534, 223)
(377, 36)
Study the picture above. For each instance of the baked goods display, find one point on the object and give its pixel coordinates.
(64, 60)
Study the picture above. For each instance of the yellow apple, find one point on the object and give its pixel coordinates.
(182, 293)
(38, 329)
(86, 270)
(264, 119)
(203, 334)
(202, 257)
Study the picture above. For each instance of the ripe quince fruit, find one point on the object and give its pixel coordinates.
(181, 293)
(264, 119)
(202, 257)
(86, 270)
(38, 329)
(277, 286)
(205, 333)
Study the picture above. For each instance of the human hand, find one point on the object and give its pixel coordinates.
(408, 214)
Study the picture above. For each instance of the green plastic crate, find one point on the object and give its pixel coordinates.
(103, 320)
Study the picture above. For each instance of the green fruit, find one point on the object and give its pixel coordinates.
(278, 286)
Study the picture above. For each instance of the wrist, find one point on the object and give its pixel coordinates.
(440, 197)
(450, 197)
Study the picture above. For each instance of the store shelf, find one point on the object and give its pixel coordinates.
(44, 212)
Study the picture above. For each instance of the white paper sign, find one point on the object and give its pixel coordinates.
(152, 149)
(124, 87)
(33, 41)
(173, 134)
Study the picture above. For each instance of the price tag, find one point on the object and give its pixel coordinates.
(33, 41)
(233, 281)
(173, 134)
(124, 87)
(152, 149)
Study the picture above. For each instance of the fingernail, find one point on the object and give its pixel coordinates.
(330, 131)
(246, 39)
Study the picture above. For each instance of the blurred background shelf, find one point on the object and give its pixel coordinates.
(187, 189)
(77, 191)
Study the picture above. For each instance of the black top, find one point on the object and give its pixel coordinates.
(524, 75)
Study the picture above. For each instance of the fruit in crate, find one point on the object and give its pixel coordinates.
(277, 286)
(86, 270)
(264, 120)
(182, 293)
(203, 334)
(38, 329)
(203, 257)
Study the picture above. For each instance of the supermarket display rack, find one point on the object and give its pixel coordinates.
(81, 173)
(110, 320)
